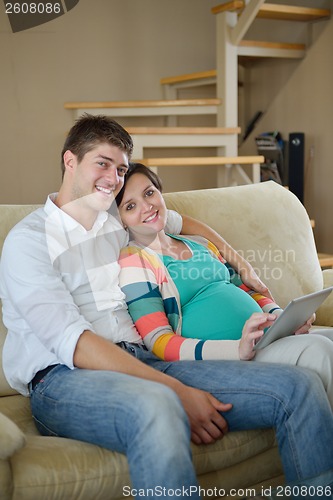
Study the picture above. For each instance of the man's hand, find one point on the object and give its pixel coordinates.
(253, 331)
(252, 280)
(207, 424)
(244, 268)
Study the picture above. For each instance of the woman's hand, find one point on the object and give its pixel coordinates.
(306, 327)
(253, 331)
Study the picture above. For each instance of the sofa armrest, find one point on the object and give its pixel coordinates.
(12, 438)
(325, 311)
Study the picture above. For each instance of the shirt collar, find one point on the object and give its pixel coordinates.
(70, 224)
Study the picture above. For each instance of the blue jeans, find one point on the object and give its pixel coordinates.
(140, 418)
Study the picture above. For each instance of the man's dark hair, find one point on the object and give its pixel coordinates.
(139, 168)
(91, 130)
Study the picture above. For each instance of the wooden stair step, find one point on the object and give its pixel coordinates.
(199, 75)
(224, 165)
(142, 104)
(292, 13)
(183, 130)
(209, 76)
(271, 45)
(202, 161)
(167, 107)
(277, 11)
(258, 48)
(184, 137)
(248, 44)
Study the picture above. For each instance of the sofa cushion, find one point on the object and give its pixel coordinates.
(325, 312)
(234, 448)
(65, 466)
(11, 437)
(52, 467)
(17, 409)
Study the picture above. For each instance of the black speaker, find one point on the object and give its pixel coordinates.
(296, 164)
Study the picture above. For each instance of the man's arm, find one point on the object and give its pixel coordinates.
(244, 268)
(97, 353)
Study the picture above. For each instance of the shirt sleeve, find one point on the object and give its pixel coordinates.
(140, 279)
(174, 222)
(35, 299)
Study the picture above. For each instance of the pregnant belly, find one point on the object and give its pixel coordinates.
(218, 312)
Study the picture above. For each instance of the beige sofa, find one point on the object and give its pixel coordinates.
(271, 228)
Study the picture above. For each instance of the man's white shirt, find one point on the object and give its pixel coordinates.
(57, 280)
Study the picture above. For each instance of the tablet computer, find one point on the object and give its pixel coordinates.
(297, 312)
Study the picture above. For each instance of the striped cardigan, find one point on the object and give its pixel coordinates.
(153, 302)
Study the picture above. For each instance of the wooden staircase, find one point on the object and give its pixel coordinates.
(233, 19)
(266, 11)
(276, 11)
(166, 107)
(227, 167)
(184, 137)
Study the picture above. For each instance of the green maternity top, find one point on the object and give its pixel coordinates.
(212, 307)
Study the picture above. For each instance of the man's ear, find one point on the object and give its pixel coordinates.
(70, 160)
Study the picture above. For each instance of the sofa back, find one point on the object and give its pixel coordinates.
(265, 222)
(268, 225)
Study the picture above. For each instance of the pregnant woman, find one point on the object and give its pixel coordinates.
(187, 302)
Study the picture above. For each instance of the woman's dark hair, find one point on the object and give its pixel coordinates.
(139, 168)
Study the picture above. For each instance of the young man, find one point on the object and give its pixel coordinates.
(65, 315)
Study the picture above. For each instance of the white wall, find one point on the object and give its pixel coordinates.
(305, 104)
(118, 50)
(100, 50)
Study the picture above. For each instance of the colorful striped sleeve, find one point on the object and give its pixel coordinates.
(156, 317)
